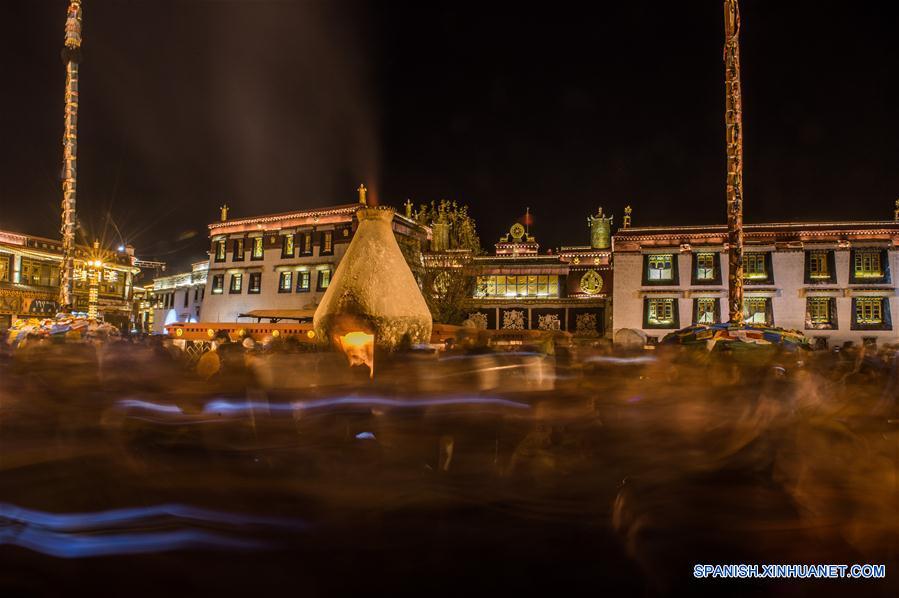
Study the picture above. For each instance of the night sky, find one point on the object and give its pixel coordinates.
(277, 105)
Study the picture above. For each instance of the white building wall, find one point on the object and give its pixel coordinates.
(225, 307)
(788, 293)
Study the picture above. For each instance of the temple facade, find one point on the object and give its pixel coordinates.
(175, 298)
(29, 279)
(835, 282)
(518, 288)
(283, 263)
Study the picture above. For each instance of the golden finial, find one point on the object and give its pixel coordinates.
(626, 221)
(408, 205)
(362, 191)
(224, 210)
(896, 212)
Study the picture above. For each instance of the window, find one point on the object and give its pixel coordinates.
(871, 313)
(238, 250)
(5, 267)
(220, 251)
(287, 246)
(660, 268)
(186, 297)
(757, 310)
(284, 282)
(327, 245)
(867, 264)
(255, 283)
(517, 286)
(196, 294)
(705, 267)
(820, 313)
(258, 249)
(817, 265)
(303, 282)
(660, 312)
(236, 283)
(755, 266)
(307, 243)
(218, 284)
(706, 310)
(324, 279)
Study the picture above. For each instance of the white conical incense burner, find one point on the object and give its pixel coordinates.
(373, 290)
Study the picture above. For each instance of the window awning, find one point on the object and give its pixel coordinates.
(275, 315)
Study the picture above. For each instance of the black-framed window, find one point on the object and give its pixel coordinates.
(869, 265)
(238, 250)
(5, 267)
(660, 312)
(220, 251)
(871, 313)
(706, 268)
(236, 286)
(660, 269)
(255, 283)
(303, 281)
(218, 284)
(186, 297)
(324, 279)
(757, 268)
(758, 310)
(258, 248)
(304, 240)
(820, 313)
(326, 243)
(706, 310)
(285, 280)
(287, 246)
(820, 267)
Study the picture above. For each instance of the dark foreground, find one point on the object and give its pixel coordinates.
(122, 473)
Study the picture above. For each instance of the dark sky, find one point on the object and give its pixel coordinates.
(277, 105)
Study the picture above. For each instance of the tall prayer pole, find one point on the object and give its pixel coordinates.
(733, 118)
(70, 55)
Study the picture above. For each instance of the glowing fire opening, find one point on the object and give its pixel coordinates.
(359, 348)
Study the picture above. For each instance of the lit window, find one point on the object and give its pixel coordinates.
(820, 311)
(258, 249)
(867, 263)
(307, 244)
(324, 279)
(302, 281)
(238, 250)
(220, 251)
(255, 283)
(817, 265)
(755, 310)
(327, 242)
(5, 267)
(287, 246)
(661, 313)
(236, 283)
(706, 311)
(284, 282)
(658, 267)
(755, 266)
(869, 310)
(544, 285)
(705, 266)
(218, 284)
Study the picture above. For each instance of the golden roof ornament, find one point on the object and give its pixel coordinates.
(362, 190)
(626, 221)
(224, 209)
(896, 212)
(408, 205)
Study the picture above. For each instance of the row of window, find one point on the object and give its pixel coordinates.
(517, 286)
(867, 265)
(167, 300)
(285, 282)
(289, 245)
(868, 313)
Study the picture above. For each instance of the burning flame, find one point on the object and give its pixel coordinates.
(359, 348)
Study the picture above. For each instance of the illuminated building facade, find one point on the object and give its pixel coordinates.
(835, 282)
(286, 261)
(176, 298)
(30, 270)
(518, 288)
